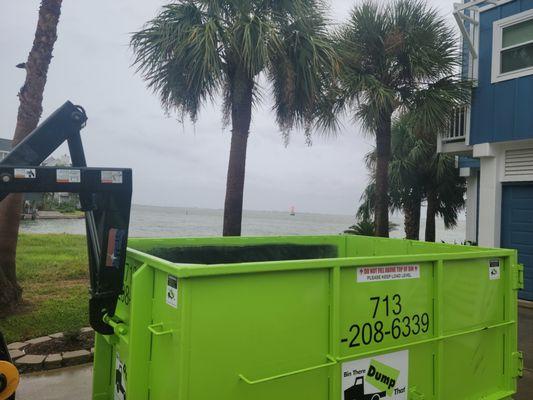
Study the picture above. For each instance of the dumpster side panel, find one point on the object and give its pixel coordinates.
(471, 297)
(168, 373)
(366, 246)
(137, 338)
(254, 327)
(384, 311)
(436, 327)
(479, 318)
(122, 359)
(449, 326)
(473, 365)
(102, 375)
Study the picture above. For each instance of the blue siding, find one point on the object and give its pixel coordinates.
(500, 111)
(517, 229)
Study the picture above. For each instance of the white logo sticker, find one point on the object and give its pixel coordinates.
(111, 176)
(68, 176)
(494, 270)
(388, 273)
(24, 173)
(172, 291)
(382, 377)
(120, 379)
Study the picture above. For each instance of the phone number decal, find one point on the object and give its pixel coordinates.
(376, 331)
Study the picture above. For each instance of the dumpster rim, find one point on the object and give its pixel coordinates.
(198, 270)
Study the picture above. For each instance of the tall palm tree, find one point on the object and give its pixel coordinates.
(196, 49)
(396, 56)
(406, 190)
(417, 173)
(29, 113)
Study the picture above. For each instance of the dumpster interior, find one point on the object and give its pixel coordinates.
(243, 254)
(209, 251)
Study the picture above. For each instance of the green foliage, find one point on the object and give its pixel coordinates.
(196, 49)
(397, 55)
(72, 335)
(53, 272)
(50, 203)
(416, 168)
(364, 226)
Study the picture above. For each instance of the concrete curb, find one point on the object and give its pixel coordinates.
(40, 362)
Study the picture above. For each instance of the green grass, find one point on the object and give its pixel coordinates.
(53, 272)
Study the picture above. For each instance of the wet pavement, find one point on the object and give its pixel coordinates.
(75, 382)
(72, 383)
(525, 344)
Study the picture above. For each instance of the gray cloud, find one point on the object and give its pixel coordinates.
(174, 164)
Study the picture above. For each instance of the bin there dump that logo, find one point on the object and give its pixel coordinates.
(382, 377)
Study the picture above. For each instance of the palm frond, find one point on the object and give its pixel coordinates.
(178, 54)
(195, 49)
(431, 107)
(301, 71)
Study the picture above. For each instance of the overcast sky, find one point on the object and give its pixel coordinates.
(174, 164)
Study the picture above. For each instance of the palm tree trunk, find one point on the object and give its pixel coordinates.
(241, 116)
(29, 113)
(383, 156)
(431, 215)
(411, 212)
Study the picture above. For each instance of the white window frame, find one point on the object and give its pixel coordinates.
(497, 31)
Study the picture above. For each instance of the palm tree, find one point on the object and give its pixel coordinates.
(406, 191)
(417, 173)
(29, 113)
(445, 192)
(362, 227)
(409, 154)
(398, 56)
(196, 49)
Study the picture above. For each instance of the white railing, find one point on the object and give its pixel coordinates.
(457, 129)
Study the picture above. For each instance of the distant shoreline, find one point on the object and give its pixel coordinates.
(55, 215)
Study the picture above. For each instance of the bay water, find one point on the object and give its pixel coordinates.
(151, 221)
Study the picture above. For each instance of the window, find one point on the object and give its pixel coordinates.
(3, 154)
(512, 53)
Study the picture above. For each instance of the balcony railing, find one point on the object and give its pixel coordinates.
(457, 129)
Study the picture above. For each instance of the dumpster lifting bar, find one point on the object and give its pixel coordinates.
(105, 197)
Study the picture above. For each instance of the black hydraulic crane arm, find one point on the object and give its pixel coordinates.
(105, 196)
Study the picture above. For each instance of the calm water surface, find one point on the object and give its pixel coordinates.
(148, 221)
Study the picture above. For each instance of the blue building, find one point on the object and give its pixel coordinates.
(495, 133)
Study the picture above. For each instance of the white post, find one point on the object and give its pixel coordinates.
(471, 207)
(490, 196)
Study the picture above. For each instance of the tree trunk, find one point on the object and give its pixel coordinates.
(411, 212)
(241, 116)
(29, 113)
(431, 215)
(383, 156)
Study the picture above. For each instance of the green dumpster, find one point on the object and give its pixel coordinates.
(311, 318)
